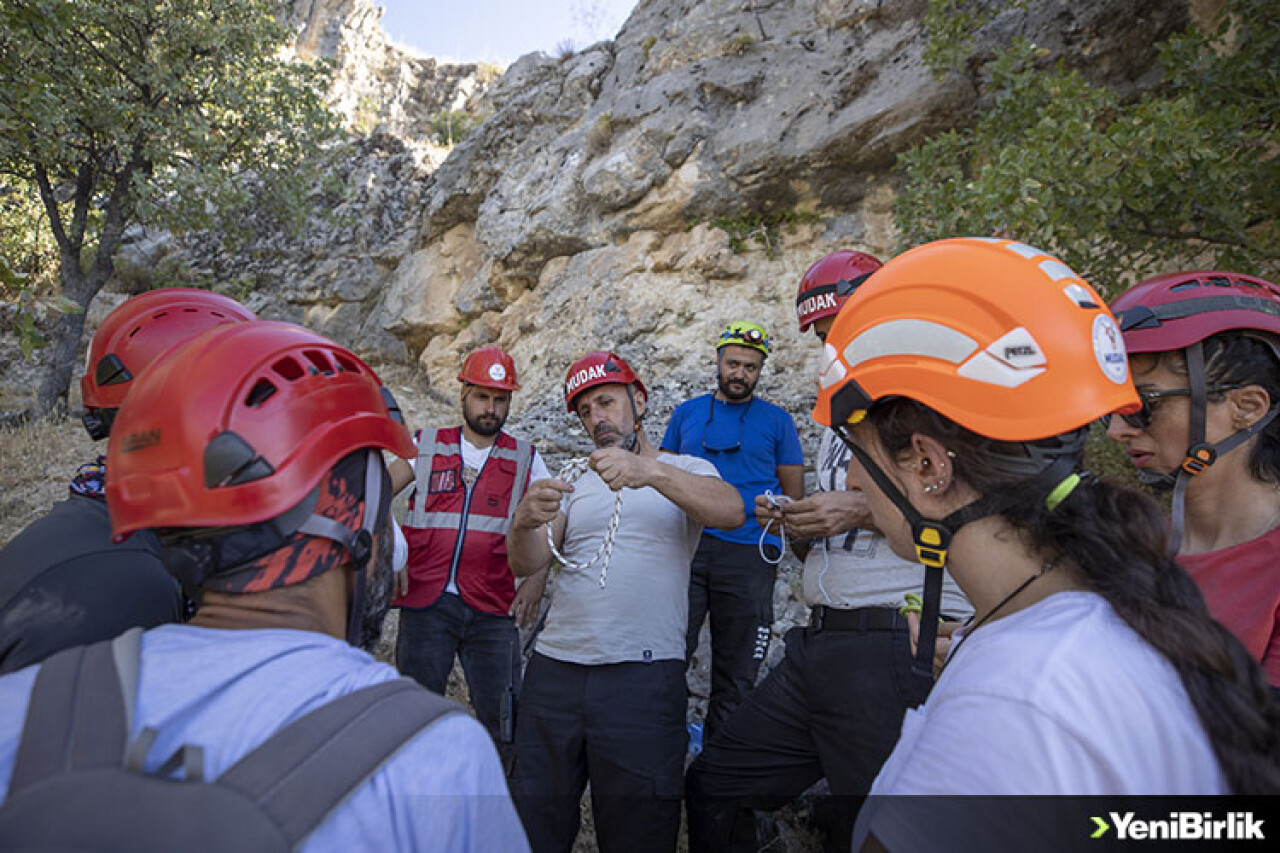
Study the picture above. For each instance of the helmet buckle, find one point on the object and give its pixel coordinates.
(1199, 457)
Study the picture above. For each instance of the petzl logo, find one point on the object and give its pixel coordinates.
(140, 441)
(1182, 826)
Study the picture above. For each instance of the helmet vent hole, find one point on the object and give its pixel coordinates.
(1186, 285)
(321, 363)
(1219, 281)
(288, 369)
(345, 363)
(262, 391)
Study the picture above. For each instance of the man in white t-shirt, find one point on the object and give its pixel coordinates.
(832, 708)
(457, 595)
(604, 697)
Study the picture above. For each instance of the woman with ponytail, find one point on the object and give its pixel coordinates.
(963, 376)
(1204, 349)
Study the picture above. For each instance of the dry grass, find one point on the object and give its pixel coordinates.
(37, 461)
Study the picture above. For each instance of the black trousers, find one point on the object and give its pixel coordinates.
(487, 644)
(730, 580)
(620, 727)
(833, 708)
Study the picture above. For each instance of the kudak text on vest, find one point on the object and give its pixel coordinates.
(1189, 826)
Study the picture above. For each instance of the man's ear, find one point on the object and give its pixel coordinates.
(642, 401)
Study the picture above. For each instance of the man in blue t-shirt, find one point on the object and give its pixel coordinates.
(754, 446)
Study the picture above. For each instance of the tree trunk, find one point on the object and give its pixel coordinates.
(63, 346)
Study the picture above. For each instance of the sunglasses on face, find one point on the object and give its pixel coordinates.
(1151, 400)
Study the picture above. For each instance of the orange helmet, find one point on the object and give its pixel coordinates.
(138, 332)
(490, 367)
(998, 336)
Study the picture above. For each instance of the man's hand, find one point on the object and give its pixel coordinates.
(541, 503)
(524, 608)
(621, 469)
(941, 646)
(825, 514)
(401, 583)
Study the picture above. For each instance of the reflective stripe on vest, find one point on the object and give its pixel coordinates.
(453, 521)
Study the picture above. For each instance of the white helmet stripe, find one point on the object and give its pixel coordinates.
(833, 371)
(910, 337)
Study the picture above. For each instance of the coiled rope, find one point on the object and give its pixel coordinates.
(570, 473)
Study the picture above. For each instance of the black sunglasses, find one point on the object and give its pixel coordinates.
(711, 413)
(1141, 419)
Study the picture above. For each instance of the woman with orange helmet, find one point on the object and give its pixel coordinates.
(963, 377)
(1204, 348)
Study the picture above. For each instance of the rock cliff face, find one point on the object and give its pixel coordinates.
(579, 215)
(583, 212)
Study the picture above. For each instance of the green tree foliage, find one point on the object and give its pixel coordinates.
(172, 112)
(1186, 175)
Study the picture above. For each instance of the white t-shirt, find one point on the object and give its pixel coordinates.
(858, 568)
(1060, 698)
(228, 691)
(642, 612)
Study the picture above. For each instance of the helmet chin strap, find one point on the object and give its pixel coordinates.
(632, 442)
(932, 539)
(1201, 454)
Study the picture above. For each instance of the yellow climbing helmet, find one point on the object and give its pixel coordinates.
(744, 333)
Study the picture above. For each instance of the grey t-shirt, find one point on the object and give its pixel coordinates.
(641, 613)
(858, 568)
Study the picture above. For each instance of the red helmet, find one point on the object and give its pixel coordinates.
(829, 282)
(239, 425)
(490, 367)
(1175, 310)
(141, 329)
(598, 368)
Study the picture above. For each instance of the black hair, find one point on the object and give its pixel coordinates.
(1118, 539)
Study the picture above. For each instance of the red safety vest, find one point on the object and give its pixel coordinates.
(458, 533)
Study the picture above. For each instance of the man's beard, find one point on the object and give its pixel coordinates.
(485, 425)
(379, 583)
(607, 435)
(734, 390)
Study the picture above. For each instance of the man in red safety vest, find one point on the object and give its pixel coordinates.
(457, 595)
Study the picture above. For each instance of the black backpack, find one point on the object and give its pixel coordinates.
(78, 784)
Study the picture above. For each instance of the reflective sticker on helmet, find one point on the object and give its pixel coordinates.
(984, 367)
(497, 372)
(1080, 295)
(1057, 270)
(910, 337)
(1108, 348)
(1018, 349)
(833, 371)
(1024, 250)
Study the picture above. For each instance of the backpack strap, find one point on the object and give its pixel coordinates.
(305, 770)
(80, 711)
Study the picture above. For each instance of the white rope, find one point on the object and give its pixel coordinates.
(572, 470)
(777, 501)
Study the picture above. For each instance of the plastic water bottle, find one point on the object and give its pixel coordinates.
(695, 739)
